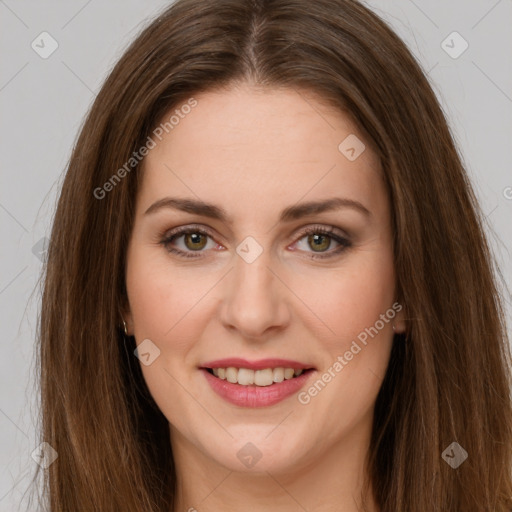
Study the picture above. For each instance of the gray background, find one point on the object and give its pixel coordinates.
(43, 103)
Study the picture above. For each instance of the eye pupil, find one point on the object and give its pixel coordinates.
(316, 239)
(195, 239)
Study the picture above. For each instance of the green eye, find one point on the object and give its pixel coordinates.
(195, 240)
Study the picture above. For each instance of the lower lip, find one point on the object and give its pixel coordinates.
(256, 396)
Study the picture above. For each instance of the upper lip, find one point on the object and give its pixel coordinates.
(260, 364)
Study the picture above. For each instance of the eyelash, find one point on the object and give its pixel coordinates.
(317, 230)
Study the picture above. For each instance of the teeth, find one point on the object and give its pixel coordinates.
(263, 377)
(231, 374)
(278, 374)
(247, 377)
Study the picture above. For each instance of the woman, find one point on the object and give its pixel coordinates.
(268, 286)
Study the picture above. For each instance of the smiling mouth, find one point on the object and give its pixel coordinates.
(257, 378)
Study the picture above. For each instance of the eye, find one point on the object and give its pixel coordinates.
(190, 241)
(320, 239)
(194, 240)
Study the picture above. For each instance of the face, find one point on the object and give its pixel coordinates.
(231, 265)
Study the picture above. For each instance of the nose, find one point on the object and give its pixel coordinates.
(255, 300)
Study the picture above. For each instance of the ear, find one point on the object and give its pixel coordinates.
(399, 320)
(126, 315)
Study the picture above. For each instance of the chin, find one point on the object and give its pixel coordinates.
(255, 449)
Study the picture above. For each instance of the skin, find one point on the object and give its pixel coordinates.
(254, 152)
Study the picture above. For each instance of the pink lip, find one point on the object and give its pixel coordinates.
(260, 364)
(255, 396)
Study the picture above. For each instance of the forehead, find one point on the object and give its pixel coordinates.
(257, 147)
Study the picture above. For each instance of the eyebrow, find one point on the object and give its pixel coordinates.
(288, 214)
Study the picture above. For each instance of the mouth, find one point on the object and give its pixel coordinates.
(258, 378)
(256, 384)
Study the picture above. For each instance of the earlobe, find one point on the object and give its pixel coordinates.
(399, 322)
(126, 321)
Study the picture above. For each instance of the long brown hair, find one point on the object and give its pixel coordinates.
(449, 377)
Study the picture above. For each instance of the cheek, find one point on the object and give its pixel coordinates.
(164, 304)
(345, 301)
(349, 299)
(350, 302)
(160, 297)
(357, 345)
(170, 307)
